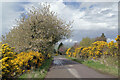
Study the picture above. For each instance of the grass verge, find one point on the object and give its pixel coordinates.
(97, 66)
(40, 72)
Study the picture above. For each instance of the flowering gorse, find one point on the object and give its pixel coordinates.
(96, 50)
(15, 64)
(118, 38)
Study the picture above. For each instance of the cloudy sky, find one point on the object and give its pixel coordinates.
(91, 19)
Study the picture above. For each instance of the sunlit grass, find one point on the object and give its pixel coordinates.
(97, 66)
(102, 67)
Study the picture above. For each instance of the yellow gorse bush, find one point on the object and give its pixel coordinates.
(96, 50)
(7, 55)
(56, 54)
(48, 55)
(15, 64)
(7, 51)
(68, 52)
(118, 38)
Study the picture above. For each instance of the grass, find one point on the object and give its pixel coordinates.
(97, 66)
(75, 59)
(102, 67)
(40, 72)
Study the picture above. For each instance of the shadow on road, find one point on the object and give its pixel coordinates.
(63, 61)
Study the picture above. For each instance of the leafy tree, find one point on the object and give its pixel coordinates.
(102, 38)
(39, 29)
(86, 42)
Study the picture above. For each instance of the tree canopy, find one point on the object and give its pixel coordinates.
(38, 29)
(86, 42)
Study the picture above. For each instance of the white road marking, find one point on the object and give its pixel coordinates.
(70, 65)
(71, 70)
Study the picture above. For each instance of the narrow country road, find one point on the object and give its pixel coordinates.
(64, 68)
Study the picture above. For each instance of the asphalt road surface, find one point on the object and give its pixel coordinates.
(64, 68)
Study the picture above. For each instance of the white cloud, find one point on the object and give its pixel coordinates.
(59, 0)
(9, 15)
(87, 19)
(109, 40)
(0, 18)
(70, 41)
(66, 40)
(90, 18)
(92, 0)
(75, 41)
(101, 16)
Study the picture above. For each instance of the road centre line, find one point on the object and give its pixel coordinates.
(71, 70)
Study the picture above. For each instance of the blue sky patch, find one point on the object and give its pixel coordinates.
(92, 6)
(89, 19)
(83, 9)
(73, 4)
(18, 6)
